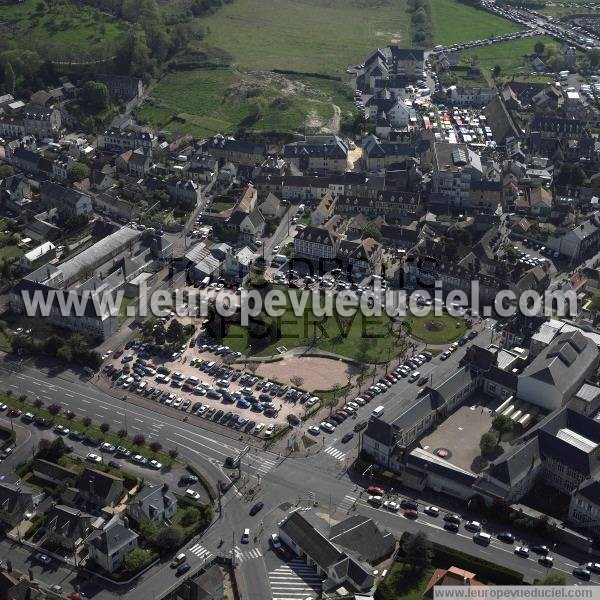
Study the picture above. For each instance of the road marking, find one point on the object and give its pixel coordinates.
(69, 395)
(335, 453)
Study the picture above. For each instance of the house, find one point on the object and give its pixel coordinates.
(109, 546)
(154, 502)
(120, 140)
(206, 586)
(472, 96)
(35, 257)
(316, 243)
(100, 488)
(15, 192)
(360, 257)
(306, 541)
(237, 265)
(584, 507)
(271, 208)
(185, 191)
(580, 242)
(325, 154)
(122, 86)
(249, 226)
(452, 576)
(203, 168)
(67, 527)
(139, 162)
(53, 473)
(68, 201)
(558, 371)
(455, 166)
(392, 205)
(324, 210)
(228, 149)
(378, 154)
(31, 120)
(14, 503)
(569, 55)
(16, 587)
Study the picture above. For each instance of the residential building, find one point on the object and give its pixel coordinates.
(209, 585)
(228, 149)
(580, 242)
(186, 191)
(316, 243)
(377, 155)
(53, 473)
(110, 546)
(307, 542)
(68, 201)
(248, 226)
(325, 154)
(154, 502)
(472, 96)
(455, 166)
(120, 140)
(584, 507)
(14, 503)
(122, 87)
(35, 257)
(452, 577)
(323, 211)
(67, 527)
(100, 488)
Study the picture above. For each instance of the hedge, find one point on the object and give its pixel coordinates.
(445, 557)
(210, 490)
(9, 440)
(35, 525)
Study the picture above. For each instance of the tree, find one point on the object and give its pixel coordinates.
(553, 579)
(51, 451)
(104, 427)
(38, 403)
(539, 48)
(54, 409)
(6, 170)
(487, 443)
(297, 381)
(496, 71)
(86, 421)
(94, 95)
(64, 354)
(148, 529)
(155, 447)
(139, 439)
(175, 333)
(502, 424)
(595, 305)
(122, 433)
(78, 171)
(418, 552)
(9, 78)
(173, 453)
(168, 539)
(137, 559)
(189, 516)
(593, 57)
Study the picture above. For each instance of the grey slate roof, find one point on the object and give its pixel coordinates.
(114, 536)
(361, 536)
(310, 540)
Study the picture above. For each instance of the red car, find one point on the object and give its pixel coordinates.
(342, 413)
(411, 514)
(375, 491)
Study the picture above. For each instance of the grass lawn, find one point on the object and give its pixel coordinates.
(401, 584)
(308, 36)
(10, 252)
(5, 344)
(123, 308)
(63, 30)
(454, 22)
(207, 101)
(365, 338)
(509, 56)
(436, 330)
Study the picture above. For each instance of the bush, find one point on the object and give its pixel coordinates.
(137, 559)
(189, 516)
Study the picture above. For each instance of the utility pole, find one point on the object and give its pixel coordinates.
(233, 549)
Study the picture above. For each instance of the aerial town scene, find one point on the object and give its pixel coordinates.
(299, 299)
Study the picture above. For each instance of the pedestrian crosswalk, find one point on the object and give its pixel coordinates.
(337, 454)
(348, 502)
(242, 555)
(200, 551)
(259, 464)
(295, 580)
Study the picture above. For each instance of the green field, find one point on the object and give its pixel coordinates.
(208, 101)
(306, 35)
(454, 22)
(368, 339)
(64, 31)
(509, 56)
(436, 330)
(10, 252)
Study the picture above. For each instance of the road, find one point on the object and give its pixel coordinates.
(276, 481)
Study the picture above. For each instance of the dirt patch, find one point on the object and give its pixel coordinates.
(434, 326)
(317, 373)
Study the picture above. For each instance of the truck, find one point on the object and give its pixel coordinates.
(205, 282)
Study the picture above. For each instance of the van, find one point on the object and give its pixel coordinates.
(377, 412)
(179, 559)
(205, 282)
(482, 538)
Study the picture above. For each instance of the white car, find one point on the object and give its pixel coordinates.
(155, 464)
(269, 431)
(390, 505)
(259, 427)
(432, 511)
(328, 427)
(106, 447)
(522, 551)
(193, 494)
(275, 541)
(314, 430)
(61, 429)
(246, 536)
(93, 458)
(3, 407)
(473, 526)
(414, 376)
(312, 401)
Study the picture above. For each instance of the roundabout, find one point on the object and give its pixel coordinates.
(435, 330)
